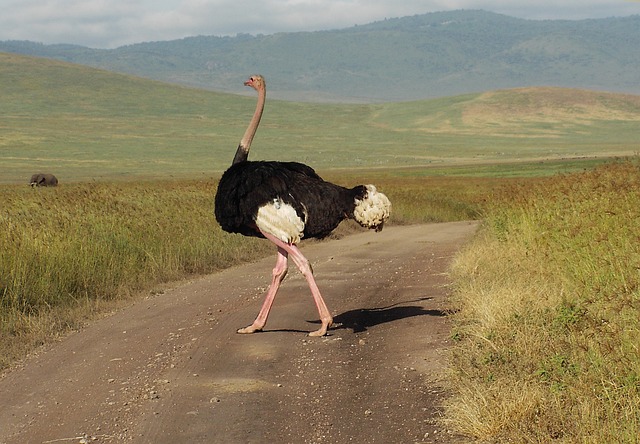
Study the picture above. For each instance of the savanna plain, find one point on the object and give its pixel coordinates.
(545, 300)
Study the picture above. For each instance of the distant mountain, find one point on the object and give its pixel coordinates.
(423, 56)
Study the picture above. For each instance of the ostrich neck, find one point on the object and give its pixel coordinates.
(245, 143)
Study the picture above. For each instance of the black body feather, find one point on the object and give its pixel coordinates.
(248, 185)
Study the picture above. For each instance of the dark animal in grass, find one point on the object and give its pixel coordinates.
(43, 180)
(285, 202)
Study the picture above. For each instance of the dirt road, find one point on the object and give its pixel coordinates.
(171, 369)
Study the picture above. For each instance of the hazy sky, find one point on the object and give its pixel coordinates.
(113, 23)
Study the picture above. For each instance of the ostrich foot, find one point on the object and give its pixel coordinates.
(248, 330)
(322, 330)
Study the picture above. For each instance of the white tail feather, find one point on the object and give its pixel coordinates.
(373, 209)
(280, 220)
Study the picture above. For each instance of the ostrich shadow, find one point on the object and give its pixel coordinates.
(361, 319)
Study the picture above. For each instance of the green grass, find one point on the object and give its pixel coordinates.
(549, 313)
(85, 124)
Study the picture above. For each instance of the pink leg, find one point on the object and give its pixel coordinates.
(279, 272)
(305, 268)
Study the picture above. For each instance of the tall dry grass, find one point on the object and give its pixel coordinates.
(66, 252)
(71, 252)
(549, 324)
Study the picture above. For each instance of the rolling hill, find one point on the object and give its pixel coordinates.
(82, 123)
(423, 56)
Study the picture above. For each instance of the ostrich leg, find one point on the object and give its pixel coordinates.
(305, 268)
(279, 272)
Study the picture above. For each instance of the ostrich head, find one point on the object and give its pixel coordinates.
(256, 82)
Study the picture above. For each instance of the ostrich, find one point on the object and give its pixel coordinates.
(284, 202)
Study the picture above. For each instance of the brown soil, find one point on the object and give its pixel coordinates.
(171, 369)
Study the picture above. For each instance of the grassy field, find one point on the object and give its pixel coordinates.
(546, 297)
(67, 254)
(548, 327)
(84, 124)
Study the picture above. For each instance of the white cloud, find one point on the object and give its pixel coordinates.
(110, 23)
